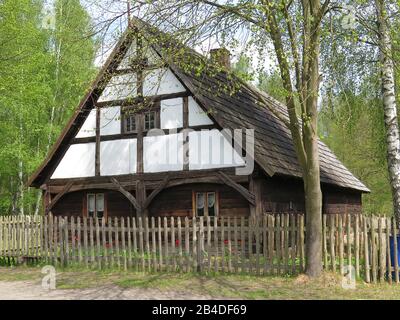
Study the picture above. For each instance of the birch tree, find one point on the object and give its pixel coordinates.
(389, 104)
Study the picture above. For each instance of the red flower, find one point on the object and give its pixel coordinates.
(177, 242)
(226, 241)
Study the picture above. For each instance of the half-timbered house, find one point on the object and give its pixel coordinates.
(154, 136)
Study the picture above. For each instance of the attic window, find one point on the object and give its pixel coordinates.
(130, 123)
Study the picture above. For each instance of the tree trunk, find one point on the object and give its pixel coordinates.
(389, 106)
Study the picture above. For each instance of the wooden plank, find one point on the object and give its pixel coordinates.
(180, 263)
(111, 243)
(129, 230)
(160, 245)
(341, 245)
(324, 242)
(51, 239)
(236, 245)
(348, 231)
(123, 244)
(98, 253)
(222, 244)
(257, 237)
(381, 252)
(91, 239)
(332, 242)
(388, 257)
(216, 245)
(73, 240)
(154, 244)
(374, 261)
(17, 252)
(45, 244)
(292, 247)
(194, 249)
(201, 244)
(66, 241)
(395, 244)
(357, 244)
(278, 242)
(141, 246)
(187, 244)
(173, 246)
(85, 241)
(242, 243)
(286, 242)
(302, 258)
(209, 244)
(270, 230)
(366, 251)
(61, 241)
(166, 249)
(117, 236)
(135, 244)
(104, 242)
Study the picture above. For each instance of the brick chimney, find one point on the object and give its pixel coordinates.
(221, 57)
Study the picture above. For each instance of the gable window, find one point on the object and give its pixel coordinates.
(95, 205)
(149, 119)
(206, 204)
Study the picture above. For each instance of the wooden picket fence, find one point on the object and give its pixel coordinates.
(269, 245)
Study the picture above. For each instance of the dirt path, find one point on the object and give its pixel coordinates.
(28, 290)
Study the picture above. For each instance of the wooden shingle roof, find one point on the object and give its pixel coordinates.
(235, 104)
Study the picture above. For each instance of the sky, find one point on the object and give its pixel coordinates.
(105, 11)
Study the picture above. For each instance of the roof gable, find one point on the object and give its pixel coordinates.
(230, 102)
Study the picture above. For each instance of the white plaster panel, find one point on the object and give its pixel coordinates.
(118, 157)
(163, 153)
(197, 116)
(152, 56)
(130, 54)
(120, 87)
(110, 121)
(88, 128)
(78, 161)
(210, 149)
(171, 114)
(161, 81)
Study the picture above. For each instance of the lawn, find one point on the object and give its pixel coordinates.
(220, 286)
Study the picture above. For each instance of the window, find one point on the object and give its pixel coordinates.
(206, 204)
(95, 205)
(130, 123)
(150, 120)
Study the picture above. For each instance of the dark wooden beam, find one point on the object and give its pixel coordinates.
(239, 188)
(155, 192)
(127, 194)
(134, 135)
(59, 196)
(185, 134)
(97, 152)
(139, 99)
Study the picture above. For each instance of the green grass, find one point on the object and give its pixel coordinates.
(219, 286)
